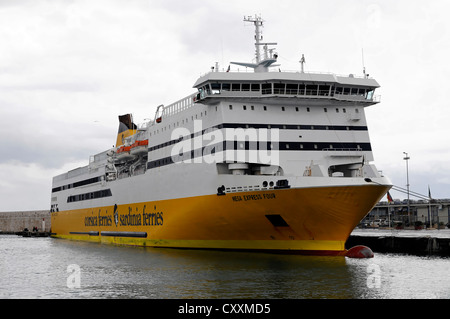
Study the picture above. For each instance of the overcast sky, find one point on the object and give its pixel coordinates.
(69, 68)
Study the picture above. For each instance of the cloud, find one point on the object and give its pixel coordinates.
(27, 186)
(69, 68)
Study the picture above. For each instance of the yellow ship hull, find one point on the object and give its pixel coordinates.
(299, 220)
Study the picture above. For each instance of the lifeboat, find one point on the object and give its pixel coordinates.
(139, 148)
(124, 149)
(124, 153)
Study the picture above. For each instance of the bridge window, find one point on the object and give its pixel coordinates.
(266, 88)
(292, 89)
(206, 89)
(324, 90)
(215, 87)
(369, 95)
(236, 87)
(278, 88)
(302, 89)
(311, 90)
(255, 87)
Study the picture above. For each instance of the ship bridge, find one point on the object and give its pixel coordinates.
(287, 88)
(295, 88)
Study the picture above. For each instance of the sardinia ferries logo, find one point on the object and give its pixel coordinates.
(116, 215)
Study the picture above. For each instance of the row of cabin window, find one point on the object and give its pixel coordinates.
(78, 184)
(286, 88)
(283, 109)
(177, 124)
(252, 108)
(88, 196)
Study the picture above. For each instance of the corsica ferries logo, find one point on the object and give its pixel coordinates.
(130, 218)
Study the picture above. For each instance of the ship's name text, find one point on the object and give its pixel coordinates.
(239, 198)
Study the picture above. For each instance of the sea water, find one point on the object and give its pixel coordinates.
(54, 268)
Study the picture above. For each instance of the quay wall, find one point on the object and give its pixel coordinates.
(421, 246)
(18, 221)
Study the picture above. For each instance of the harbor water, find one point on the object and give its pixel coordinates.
(47, 268)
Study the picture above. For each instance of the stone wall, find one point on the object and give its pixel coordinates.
(18, 221)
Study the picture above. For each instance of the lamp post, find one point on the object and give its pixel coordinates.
(407, 158)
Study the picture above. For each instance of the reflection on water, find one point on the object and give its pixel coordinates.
(37, 268)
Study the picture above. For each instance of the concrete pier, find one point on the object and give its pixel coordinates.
(13, 222)
(420, 243)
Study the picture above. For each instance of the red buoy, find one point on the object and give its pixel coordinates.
(359, 252)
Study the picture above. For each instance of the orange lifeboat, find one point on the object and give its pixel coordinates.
(124, 153)
(139, 147)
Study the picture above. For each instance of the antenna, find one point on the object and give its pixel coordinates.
(263, 62)
(364, 66)
(302, 62)
(258, 22)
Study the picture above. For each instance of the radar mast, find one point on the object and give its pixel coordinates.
(263, 62)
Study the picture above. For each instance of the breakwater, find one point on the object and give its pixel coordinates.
(420, 243)
(12, 222)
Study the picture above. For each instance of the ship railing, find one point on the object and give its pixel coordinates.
(95, 163)
(100, 157)
(343, 151)
(70, 174)
(277, 70)
(377, 98)
(172, 109)
(179, 106)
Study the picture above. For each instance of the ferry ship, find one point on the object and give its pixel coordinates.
(256, 159)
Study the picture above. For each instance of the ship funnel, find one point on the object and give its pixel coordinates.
(126, 128)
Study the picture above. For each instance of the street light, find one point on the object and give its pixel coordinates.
(407, 158)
